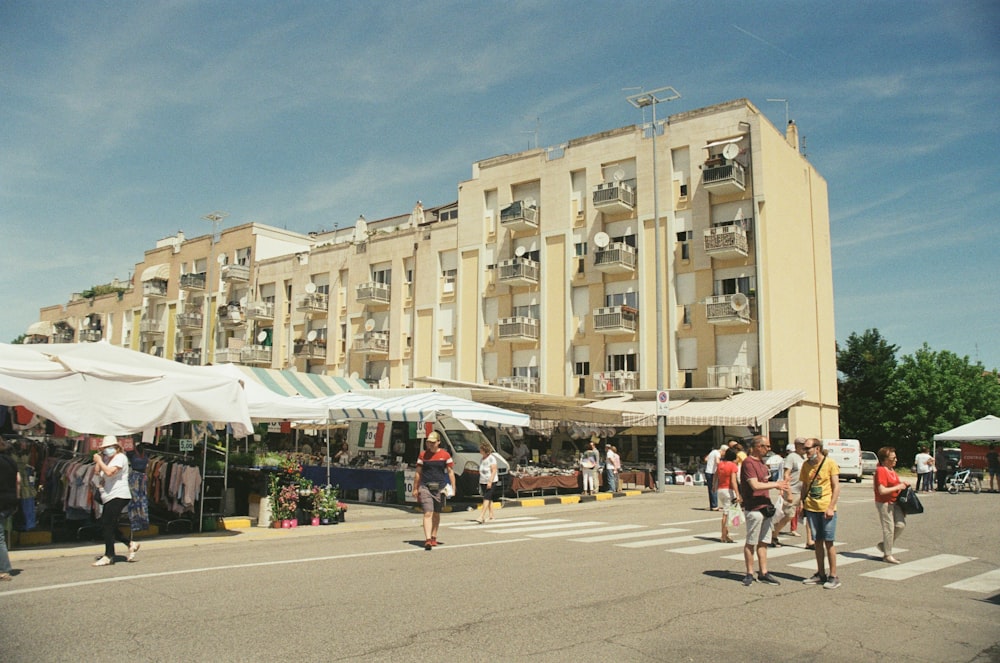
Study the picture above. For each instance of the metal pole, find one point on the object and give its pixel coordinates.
(658, 249)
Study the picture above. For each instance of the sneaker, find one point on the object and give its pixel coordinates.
(792, 534)
(748, 580)
(104, 561)
(767, 579)
(815, 579)
(133, 548)
(833, 582)
(428, 545)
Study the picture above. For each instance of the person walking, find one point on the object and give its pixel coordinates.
(791, 498)
(924, 465)
(890, 514)
(755, 493)
(612, 466)
(112, 471)
(711, 467)
(726, 482)
(435, 471)
(820, 477)
(10, 488)
(488, 481)
(589, 462)
(993, 467)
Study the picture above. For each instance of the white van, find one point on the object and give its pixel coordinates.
(847, 455)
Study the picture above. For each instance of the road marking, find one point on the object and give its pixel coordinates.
(846, 558)
(708, 547)
(918, 567)
(713, 519)
(774, 553)
(249, 565)
(533, 527)
(591, 530)
(475, 525)
(505, 525)
(659, 542)
(629, 535)
(984, 583)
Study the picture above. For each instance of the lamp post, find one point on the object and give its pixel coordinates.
(216, 219)
(641, 100)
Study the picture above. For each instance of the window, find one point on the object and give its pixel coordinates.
(449, 276)
(743, 284)
(535, 256)
(580, 249)
(528, 311)
(622, 299)
(383, 276)
(525, 372)
(684, 190)
(625, 239)
(685, 251)
(581, 370)
(624, 362)
(243, 256)
(689, 379)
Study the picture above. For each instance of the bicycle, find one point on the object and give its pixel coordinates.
(963, 480)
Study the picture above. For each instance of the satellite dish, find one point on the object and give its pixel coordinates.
(529, 202)
(731, 151)
(520, 251)
(86, 320)
(739, 301)
(369, 324)
(354, 375)
(261, 337)
(618, 175)
(311, 336)
(602, 239)
(310, 287)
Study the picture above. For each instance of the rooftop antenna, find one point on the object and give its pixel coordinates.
(785, 101)
(641, 89)
(534, 132)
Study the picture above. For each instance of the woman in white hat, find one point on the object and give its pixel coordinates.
(112, 473)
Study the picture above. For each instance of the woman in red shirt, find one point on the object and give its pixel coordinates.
(725, 480)
(890, 514)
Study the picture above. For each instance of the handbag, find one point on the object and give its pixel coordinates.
(909, 501)
(734, 514)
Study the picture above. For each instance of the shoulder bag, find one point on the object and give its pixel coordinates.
(909, 502)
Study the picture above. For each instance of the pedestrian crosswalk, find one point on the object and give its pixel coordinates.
(701, 537)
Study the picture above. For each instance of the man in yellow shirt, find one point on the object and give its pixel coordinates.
(820, 492)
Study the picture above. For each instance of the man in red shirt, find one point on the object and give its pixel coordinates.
(755, 492)
(435, 470)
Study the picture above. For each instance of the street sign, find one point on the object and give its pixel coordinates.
(662, 403)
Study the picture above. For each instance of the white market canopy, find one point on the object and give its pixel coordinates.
(102, 389)
(430, 406)
(266, 405)
(987, 428)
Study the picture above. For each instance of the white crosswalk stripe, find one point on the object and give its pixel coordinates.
(532, 527)
(704, 548)
(984, 583)
(586, 530)
(847, 558)
(918, 567)
(630, 535)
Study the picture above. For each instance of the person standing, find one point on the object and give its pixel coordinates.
(612, 466)
(589, 462)
(487, 481)
(435, 471)
(791, 498)
(890, 514)
(10, 488)
(113, 470)
(993, 467)
(820, 477)
(726, 482)
(521, 453)
(755, 492)
(711, 467)
(925, 467)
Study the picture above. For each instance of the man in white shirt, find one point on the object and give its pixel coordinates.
(792, 497)
(711, 465)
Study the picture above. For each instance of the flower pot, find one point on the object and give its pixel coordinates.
(341, 516)
(276, 524)
(286, 524)
(324, 521)
(294, 523)
(315, 522)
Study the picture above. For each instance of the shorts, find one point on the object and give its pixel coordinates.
(994, 471)
(789, 508)
(492, 493)
(726, 497)
(758, 528)
(823, 529)
(430, 502)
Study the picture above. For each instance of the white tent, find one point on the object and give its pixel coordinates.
(430, 406)
(266, 405)
(98, 388)
(987, 428)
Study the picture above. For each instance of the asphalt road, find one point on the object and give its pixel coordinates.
(640, 578)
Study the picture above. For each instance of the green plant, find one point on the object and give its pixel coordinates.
(324, 502)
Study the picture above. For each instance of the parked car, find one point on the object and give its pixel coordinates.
(869, 461)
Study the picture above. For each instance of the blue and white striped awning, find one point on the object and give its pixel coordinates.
(308, 385)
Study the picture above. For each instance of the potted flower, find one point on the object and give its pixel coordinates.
(288, 503)
(341, 511)
(325, 505)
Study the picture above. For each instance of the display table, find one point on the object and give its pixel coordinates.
(357, 478)
(538, 485)
(637, 479)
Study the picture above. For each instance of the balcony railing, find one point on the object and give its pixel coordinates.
(236, 273)
(63, 336)
(518, 328)
(313, 303)
(521, 382)
(519, 216)
(256, 354)
(614, 197)
(310, 349)
(193, 281)
(232, 316)
(189, 357)
(227, 356)
(729, 177)
(616, 258)
(260, 311)
(726, 241)
(373, 292)
(154, 288)
(731, 377)
(518, 271)
(190, 320)
(150, 327)
(372, 343)
(616, 320)
(90, 335)
(613, 381)
(728, 310)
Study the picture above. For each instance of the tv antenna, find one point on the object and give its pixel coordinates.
(538, 125)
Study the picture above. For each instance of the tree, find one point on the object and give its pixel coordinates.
(867, 367)
(19, 340)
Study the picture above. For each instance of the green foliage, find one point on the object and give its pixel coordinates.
(867, 367)
(98, 290)
(19, 340)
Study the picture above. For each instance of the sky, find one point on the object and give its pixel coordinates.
(124, 122)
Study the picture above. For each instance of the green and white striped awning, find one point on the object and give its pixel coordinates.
(308, 385)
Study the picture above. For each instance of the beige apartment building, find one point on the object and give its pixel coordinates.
(540, 278)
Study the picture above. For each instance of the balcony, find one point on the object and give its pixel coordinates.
(519, 216)
(64, 335)
(151, 327)
(616, 258)
(372, 343)
(189, 357)
(227, 356)
(731, 377)
(256, 355)
(616, 320)
(154, 288)
(192, 281)
(728, 310)
(260, 311)
(232, 316)
(310, 349)
(190, 321)
(90, 335)
(240, 273)
(518, 271)
(726, 242)
(614, 197)
(517, 329)
(610, 382)
(373, 293)
(316, 303)
(519, 382)
(727, 177)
